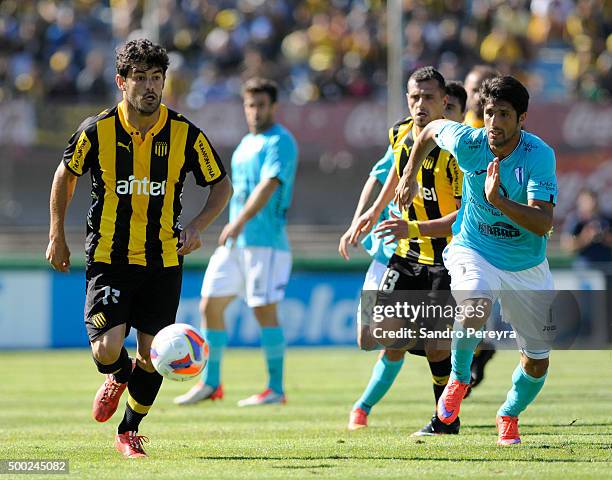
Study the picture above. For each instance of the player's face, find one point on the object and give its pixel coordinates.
(453, 110)
(143, 89)
(472, 85)
(426, 101)
(259, 111)
(502, 124)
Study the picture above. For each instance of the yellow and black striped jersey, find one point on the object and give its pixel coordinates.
(440, 181)
(137, 183)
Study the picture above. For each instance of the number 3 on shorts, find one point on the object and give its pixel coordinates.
(389, 280)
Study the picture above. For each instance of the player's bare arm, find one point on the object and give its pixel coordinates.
(256, 201)
(536, 216)
(368, 219)
(218, 198)
(370, 191)
(407, 186)
(397, 228)
(62, 190)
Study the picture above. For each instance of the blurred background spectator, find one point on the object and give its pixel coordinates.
(315, 49)
(329, 58)
(588, 232)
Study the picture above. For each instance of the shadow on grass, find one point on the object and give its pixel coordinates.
(574, 425)
(299, 467)
(397, 458)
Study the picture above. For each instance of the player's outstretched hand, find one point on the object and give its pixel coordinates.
(58, 255)
(405, 192)
(345, 242)
(231, 230)
(363, 224)
(393, 229)
(189, 240)
(492, 182)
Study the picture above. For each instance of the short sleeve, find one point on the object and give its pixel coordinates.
(542, 181)
(456, 177)
(380, 170)
(280, 159)
(205, 162)
(82, 148)
(462, 141)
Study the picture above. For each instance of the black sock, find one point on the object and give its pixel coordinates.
(440, 371)
(121, 368)
(142, 390)
(123, 375)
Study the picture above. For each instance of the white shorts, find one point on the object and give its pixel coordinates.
(373, 276)
(524, 295)
(257, 274)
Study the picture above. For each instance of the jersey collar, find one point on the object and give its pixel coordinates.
(512, 152)
(133, 131)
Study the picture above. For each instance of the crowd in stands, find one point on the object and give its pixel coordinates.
(315, 49)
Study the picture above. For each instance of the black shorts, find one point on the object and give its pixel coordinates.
(145, 298)
(403, 274)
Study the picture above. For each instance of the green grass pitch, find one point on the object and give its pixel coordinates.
(45, 402)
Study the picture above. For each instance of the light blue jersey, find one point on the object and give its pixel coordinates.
(375, 246)
(271, 154)
(527, 173)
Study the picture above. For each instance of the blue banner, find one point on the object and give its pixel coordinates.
(319, 309)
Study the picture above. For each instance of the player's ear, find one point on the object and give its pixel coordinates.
(120, 81)
(522, 118)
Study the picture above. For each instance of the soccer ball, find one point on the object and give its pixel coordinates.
(179, 352)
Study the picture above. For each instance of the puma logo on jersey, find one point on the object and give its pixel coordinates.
(127, 147)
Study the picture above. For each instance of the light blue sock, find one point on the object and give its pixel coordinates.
(273, 344)
(383, 375)
(462, 353)
(217, 341)
(525, 389)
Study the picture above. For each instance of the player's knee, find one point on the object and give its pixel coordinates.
(202, 308)
(535, 367)
(365, 340)
(473, 312)
(212, 313)
(394, 355)
(266, 315)
(144, 362)
(105, 353)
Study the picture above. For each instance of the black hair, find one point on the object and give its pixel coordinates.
(455, 89)
(424, 74)
(261, 85)
(140, 52)
(507, 89)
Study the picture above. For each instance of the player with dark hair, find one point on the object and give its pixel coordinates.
(456, 101)
(138, 153)
(499, 250)
(253, 259)
(422, 234)
(474, 118)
